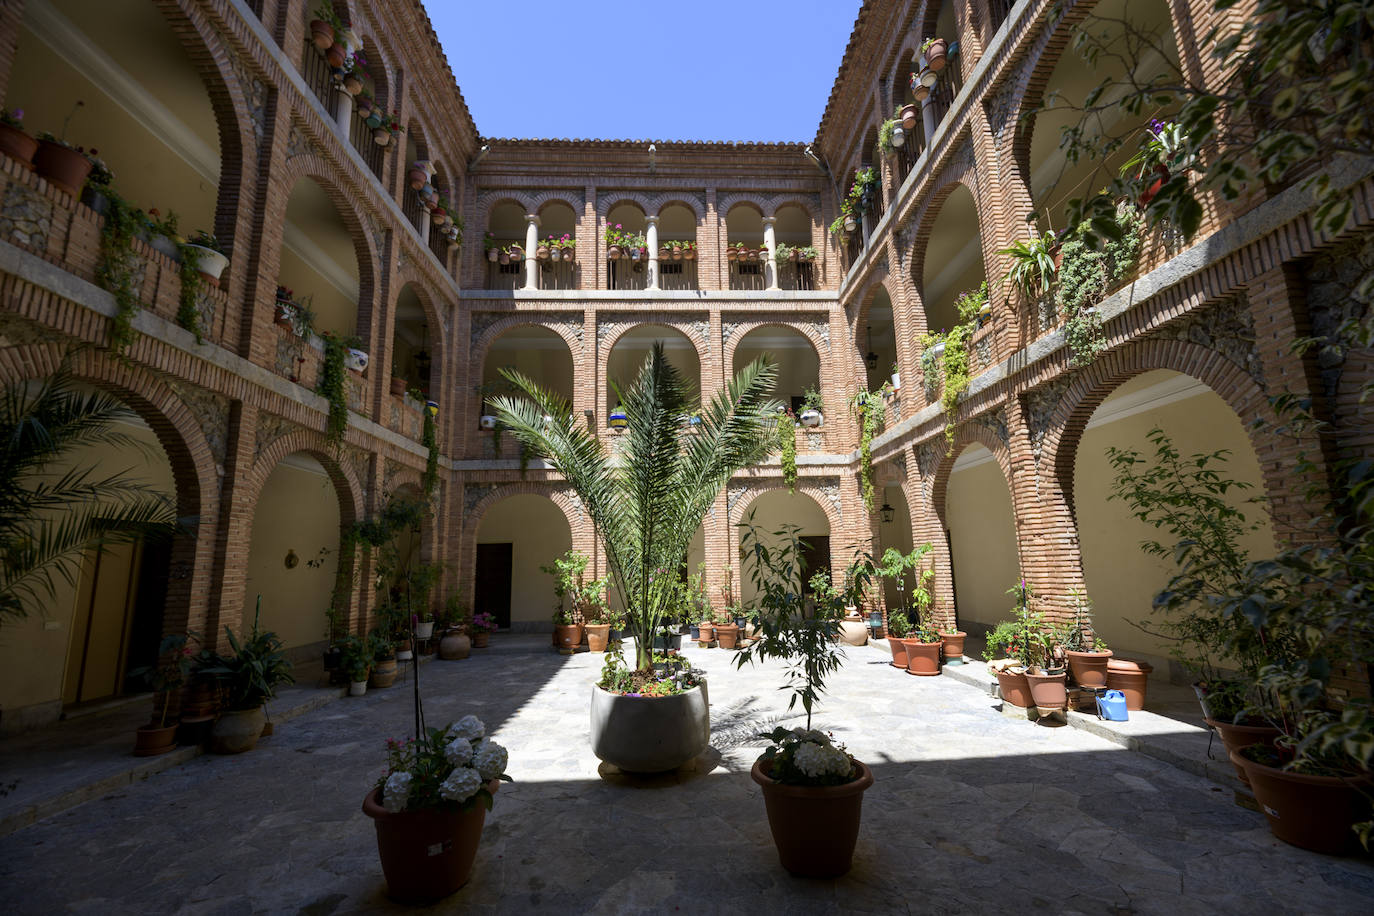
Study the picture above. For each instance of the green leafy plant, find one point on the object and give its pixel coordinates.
(176, 660)
(115, 271)
(429, 438)
(805, 640)
(192, 284)
(332, 386)
(812, 400)
(647, 502)
(1088, 275)
(885, 136)
(1080, 636)
(894, 566)
(787, 449)
(250, 677)
(1032, 264)
(870, 409)
(53, 506)
(578, 597)
(898, 624)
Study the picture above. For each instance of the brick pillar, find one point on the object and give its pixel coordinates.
(11, 26)
(233, 527)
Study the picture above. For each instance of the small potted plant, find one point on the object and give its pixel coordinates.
(429, 807)
(355, 659)
(492, 247)
(482, 624)
(813, 405)
(398, 382)
(209, 254)
(63, 165)
(355, 358)
(726, 630)
(1087, 654)
(936, 51)
(923, 648)
(165, 678)
(424, 626)
(619, 419)
(249, 678)
(14, 141)
(615, 241)
(485, 391)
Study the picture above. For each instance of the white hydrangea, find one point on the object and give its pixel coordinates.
(396, 792)
(461, 784)
(820, 760)
(459, 752)
(489, 758)
(469, 728)
(799, 733)
(819, 737)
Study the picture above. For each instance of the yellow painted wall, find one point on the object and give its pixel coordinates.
(147, 171)
(772, 510)
(539, 532)
(35, 653)
(333, 310)
(551, 368)
(895, 534)
(1120, 578)
(798, 368)
(297, 510)
(982, 540)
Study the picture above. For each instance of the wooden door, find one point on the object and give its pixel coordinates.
(491, 590)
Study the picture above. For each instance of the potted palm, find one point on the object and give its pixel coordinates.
(812, 788)
(430, 805)
(645, 505)
(249, 678)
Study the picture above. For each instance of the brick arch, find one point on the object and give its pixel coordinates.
(405, 277)
(347, 488)
(904, 60)
(608, 203)
(663, 201)
(543, 199)
(560, 494)
(954, 174)
(862, 299)
(377, 55)
(727, 203)
(969, 434)
(477, 353)
(620, 328)
(195, 476)
(1091, 386)
(743, 330)
(1042, 57)
(356, 221)
(805, 487)
(489, 202)
(773, 204)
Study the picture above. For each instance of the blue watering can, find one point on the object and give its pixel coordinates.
(1112, 706)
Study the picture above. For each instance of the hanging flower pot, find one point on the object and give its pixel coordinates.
(636, 253)
(336, 55)
(505, 257)
(355, 359)
(486, 421)
(689, 253)
(910, 116)
(850, 223)
(936, 55)
(613, 253)
(554, 253)
(210, 263)
(665, 254)
(416, 177)
(922, 92)
(432, 408)
(493, 254)
(619, 419)
(322, 34)
(928, 77)
(517, 253)
(569, 254)
(283, 316)
(427, 192)
(381, 136)
(348, 39)
(542, 252)
(363, 106)
(731, 254)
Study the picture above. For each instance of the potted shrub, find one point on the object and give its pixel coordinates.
(1084, 651)
(935, 51)
(953, 646)
(398, 383)
(898, 626)
(209, 255)
(481, 625)
(647, 504)
(164, 678)
(384, 667)
(813, 405)
(812, 788)
(579, 599)
(356, 657)
(1032, 265)
(1162, 151)
(14, 141)
(923, 650)
(1046, 677)
(726, 630)
(249, 678)
(430, 805)
(615, 241)
(63, 165)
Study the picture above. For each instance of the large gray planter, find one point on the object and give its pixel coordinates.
(237, 730)
(650, 734)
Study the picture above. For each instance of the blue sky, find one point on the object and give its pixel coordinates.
(692, 70)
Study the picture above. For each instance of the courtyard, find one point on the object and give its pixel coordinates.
(971, 811)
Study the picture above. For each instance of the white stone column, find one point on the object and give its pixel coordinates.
(424, 224)
(531, 243)
(770, 242)
(343, 118)
(929, 120)
(651, 240)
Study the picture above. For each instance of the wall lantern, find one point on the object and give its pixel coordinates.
(887, 512)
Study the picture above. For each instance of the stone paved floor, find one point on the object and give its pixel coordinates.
(971, 812)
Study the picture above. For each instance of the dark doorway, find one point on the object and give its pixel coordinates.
(491, 590)
(815, 558)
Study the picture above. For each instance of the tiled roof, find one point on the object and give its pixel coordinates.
(844, 65)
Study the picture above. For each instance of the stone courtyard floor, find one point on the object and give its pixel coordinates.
(971, 812)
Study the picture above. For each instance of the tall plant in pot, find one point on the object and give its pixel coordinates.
(164, 678)
(812, 788)
(249, 678)
(647, 502)
(1086, 652)
(580, 602)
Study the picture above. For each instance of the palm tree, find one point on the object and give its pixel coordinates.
(50, 517)
(647, 503)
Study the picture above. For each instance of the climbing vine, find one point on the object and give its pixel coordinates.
(429, 439)
(115, 272)
(954, 367)
(188, 306)
(870, 408)
(787, 444)
(332, 386)
(1087, 275)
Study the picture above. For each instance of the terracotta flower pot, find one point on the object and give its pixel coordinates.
(911, 116)
(854, 630)
(567, 636)
(1048, 691)
(954, 647)
(322, 34)
(922, 658)
(18, 145)
(427, 854)
(1161, 177)
(1131, 678)
(1088, 669)
(417, 178)
(1313, 812)
(62, 166)
(597, 636)
(455, 645)
(1015, 689)
(335, 55)
(921, 93)
(493, 254)
(398, 386)
(151, 740)
(384, 674)
(731, 254)
(381, 136)
(1238, 737)
(706, 633)
(237, 731)
(937, 55)
(677, 254)
(814, 828)
(281, 316)
(727, 634)
(689, 254)
(665, 254)
(898, 647)
(542, 252)
(481, 639)
(613, 253)
(353, 84)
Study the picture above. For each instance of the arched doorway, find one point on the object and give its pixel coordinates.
(981, 529)
(771, 510)
(293, 554)
(515, 538)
